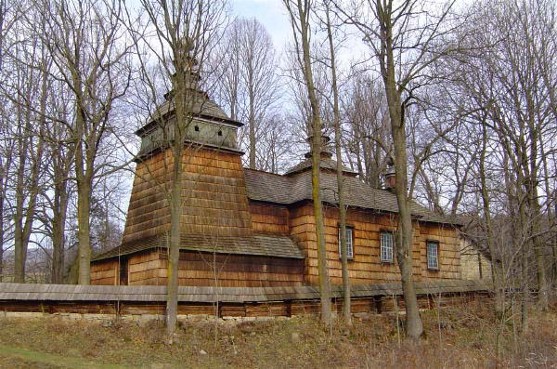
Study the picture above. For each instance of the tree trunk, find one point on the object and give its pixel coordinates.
(414, 325)
(2, 192)
(20, 254)
(538, 245)
(83, 229)
(183, 107)
(84, 179)
(27, 183)
(324, 282)
(174, 245)
(496, 267)
(346, 308)
(58, 229)
(550, 210)
(251, 118)
(300, 18)
(20, 246)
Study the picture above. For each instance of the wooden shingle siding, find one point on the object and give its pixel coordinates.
(105, 273)
(449, 251)
(302, 229)
(144, 269)
(214, 195)
(206, 269)
(269, 218)
(366, 265)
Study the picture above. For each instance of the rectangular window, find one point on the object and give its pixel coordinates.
(433, 255)
(387, 247)
(349, 243)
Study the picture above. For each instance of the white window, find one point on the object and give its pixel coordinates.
(349, 243)
(433, 255)
(387, 247)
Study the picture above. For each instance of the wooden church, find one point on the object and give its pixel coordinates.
(248, 228)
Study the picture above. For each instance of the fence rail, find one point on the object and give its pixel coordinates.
(221, 301)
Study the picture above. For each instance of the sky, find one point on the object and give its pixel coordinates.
(270, 13)
(273, 15)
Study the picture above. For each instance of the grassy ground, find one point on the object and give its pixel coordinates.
(457, 337)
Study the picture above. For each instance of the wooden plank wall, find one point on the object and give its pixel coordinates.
(449, 251)
(105, 273)
(206, 269)
(366, 266)
(214, 194)
(269, 218)
(288, 308)
(302, 229)
(146, 269)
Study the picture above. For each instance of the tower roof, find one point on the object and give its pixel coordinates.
(204, 124)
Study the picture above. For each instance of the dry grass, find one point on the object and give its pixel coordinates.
(456, 338)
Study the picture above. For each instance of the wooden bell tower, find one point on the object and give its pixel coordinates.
(214, 191)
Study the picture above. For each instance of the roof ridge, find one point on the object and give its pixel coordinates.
(262, 171)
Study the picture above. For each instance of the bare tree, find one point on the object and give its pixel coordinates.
(27, 101)
(405, 44)
(325, 19)
(367, 141)
(501, 92)
(60, 151)
(300, 15)
(85, 43)
(8, 18)
(185, 32)
(276, 143)
(249, 82)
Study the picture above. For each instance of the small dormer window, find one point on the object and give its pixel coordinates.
(196, 128)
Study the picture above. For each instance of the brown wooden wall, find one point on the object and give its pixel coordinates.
(269, 218)
(145, 269)
(214, 195)
(288, 305)
(206, 269)
(449, 251)
(366, 266)
(105, 272)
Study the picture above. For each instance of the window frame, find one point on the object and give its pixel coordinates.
(349, 245)
(389, 248)
(432, 257)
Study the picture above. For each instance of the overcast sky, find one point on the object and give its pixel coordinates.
(271, 13)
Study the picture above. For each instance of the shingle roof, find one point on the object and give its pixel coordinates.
(258, 245)
(285, 190)
(324, 163)
(202, 106)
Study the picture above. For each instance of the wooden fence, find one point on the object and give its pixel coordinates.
(224, 301)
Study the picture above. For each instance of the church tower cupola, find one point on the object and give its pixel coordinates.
(207, 124)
